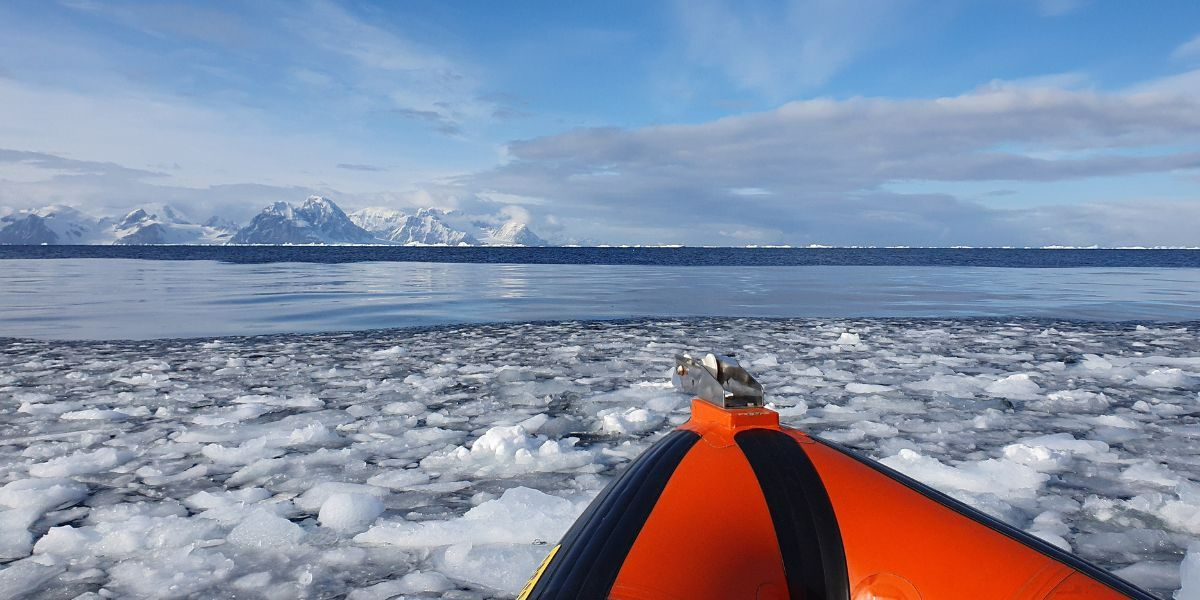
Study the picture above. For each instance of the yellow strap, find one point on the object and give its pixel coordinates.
(528, 589)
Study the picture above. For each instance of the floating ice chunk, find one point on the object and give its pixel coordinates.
(392, 352)
(848, 339)
(990, 419)
(404, 408)
(16, 541)
(1114, 421)
(503, 567)
(349, 513)
(399, 479)
(26, 500)
(123, 539)
(509, 450)
(1180, 512)
(628, 421)
(1095, 362)
(1189, 574)
(263, 529)
(178, 573)
(867, 388)
(42, 494)
(1018, 386)
(1151, 574)
(49, 408)
(82, 463)
(1164, 378)
(992, 476)
(312, 500)
(244, 454)
(415, 582)
(957, 386)
(1151, 472)
(1075, 401)
(94, 414)
(22, 579)
(519, 516)
(1049, 526)
(1055, 452)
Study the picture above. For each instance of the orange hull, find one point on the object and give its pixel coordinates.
(731, 505)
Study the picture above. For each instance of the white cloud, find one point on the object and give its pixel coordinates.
(1188, 50)
(777, 50)
(826, 162)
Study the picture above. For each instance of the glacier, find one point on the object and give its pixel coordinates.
(318, 220)
(444, 461)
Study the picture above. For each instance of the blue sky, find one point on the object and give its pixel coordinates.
(1015, 122)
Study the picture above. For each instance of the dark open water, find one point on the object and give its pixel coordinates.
(116, 292)
(746, 257)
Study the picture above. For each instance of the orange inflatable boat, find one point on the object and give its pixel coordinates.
(731, 505)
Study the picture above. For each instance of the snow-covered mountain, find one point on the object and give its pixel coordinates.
(378, 220)
(165, 225)
(513, 233)
(52, 225)
(431, 226)
(317, 221)
(427, 228)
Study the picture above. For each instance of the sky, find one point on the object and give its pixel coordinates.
(699, 122)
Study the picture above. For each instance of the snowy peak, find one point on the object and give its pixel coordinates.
(318, 221)
(514, 233)
(50, 225)
(163, 224)
(427, 228)
(378, 220)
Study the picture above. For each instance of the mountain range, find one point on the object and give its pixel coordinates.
(317, 221)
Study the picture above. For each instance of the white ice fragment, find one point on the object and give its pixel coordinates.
(990, 419)
(399, 479)
(1075, 401)
(42, 494)
(178, 573)
(1164, 378)
(1054, 452)
(94, 414)
(509, 450)
(404, 408)
(867, 388)
(1049, 526)
(1151, 574)
(1149, 471)
(1189, 574)
(628, 420)
(520, 516)
(992, 476)
(956, 386)
(415, 582)
(349, 513)
(244, 454)
(503, 567)
(1018, 386)
(263, 529)
(311, 500)
(848, 339)
(82, 463)
(22, 579)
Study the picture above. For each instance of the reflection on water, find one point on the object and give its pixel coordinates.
(111, 298)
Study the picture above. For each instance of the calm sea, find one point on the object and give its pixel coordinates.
(140, 292)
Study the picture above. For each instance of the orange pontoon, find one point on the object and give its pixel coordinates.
(731, 505)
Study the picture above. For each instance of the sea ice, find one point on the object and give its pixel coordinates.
(448, 461)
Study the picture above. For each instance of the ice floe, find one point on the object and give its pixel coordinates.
(446, 462)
